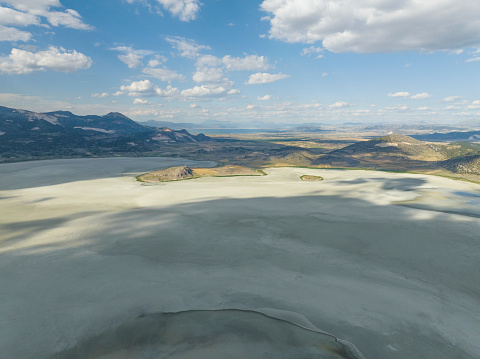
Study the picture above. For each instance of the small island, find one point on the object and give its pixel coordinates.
(185, 172)
(310, 178)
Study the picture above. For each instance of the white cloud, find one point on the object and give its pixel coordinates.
(142, 112)
(421, 96)
(246, 63)
(264, 98)
(452, 108)
(208, 75)
(100, 95)
(11, 34)
(424, 108)
(170, 91)
(204, 91)
(145, 88)
(251, 107)
(264, 78)
(186, 47)
(340, 104)
(399, 94)
(324, 74)
(69, 18)
(376, 26)
(157, 60)
(139, 88)
(233, 92)
(400, 108)
(163, 74)
(139, 101)
(131, 57)
(473, 59)
(31, 12)
(56, 59)
(208, 61)
(312, 50)
(14, 17)
(451, 98)
(185, 10)
(194, 105)
(474, 106)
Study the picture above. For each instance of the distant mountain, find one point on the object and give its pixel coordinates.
(451, 136)
(391, 147)
(61, 133)
(13, 121)
(396, 145)
(172, 125)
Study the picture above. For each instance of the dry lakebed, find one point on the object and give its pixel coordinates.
(363, 264)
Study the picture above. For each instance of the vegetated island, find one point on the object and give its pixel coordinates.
(310, 178)
(185, 172)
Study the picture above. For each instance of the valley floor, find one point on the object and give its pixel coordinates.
(388, 262)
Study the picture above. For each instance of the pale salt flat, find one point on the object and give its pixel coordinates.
(389, 262)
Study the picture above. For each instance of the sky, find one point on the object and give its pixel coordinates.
(286, 61)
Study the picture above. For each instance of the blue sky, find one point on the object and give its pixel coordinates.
(294, 61)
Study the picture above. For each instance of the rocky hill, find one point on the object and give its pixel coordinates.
(391, 147)
(463, 165)
(25, 134)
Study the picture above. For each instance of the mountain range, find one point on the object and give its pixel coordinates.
(62, 133)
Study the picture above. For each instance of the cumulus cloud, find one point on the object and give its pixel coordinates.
(9, 16)
(145, 88)
(312, 50)
(231, 63)
(340, 104)
(208, 75)
(264, 78)
(22, 13)
(139, 101)
(246, 63)
(366, 26)
(186, 47)
(208, 61)
(11, 34)
(451, 98)
(130, 56)
(56, 59)
(157, 60)
(474, 106)
(163, 74)
(170, 91)
(264, 98)
(421, 96)
(399, 94)
(233, 92)
(185, 10)
(204, 91)
(139, 88)
(100, 95)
